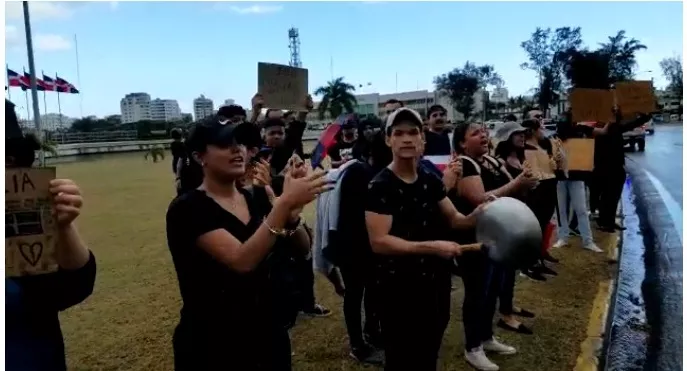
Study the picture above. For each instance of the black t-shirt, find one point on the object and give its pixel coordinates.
(416, 217)
(220, 305)
(341, 149)
(178, 152)
(492, 178)
(437, 144)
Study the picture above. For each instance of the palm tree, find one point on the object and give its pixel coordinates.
(621, 53)
(337, 98)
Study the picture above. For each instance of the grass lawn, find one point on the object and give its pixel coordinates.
(127, 323)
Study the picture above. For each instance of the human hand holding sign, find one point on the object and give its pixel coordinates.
(67, 201)
(257, 102)
(308, 104)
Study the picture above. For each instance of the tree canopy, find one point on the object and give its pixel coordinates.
(461, 84)
(337, 98)
(672, 71)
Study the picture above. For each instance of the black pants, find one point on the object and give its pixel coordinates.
(414, 312)
(507, 292)
(610, 192)
(218, 350)
(359, 290)
(308, 281)
(482, 281)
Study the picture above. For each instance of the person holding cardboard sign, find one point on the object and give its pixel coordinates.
(32, 302)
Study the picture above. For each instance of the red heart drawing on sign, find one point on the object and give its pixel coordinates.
(31, 252)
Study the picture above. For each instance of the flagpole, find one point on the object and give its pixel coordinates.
(26, 95)
(59, 107)
(78, 75)
(45, 102)
(32, 70)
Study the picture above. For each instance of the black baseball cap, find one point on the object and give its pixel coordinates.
(231, 111)
(351, 121)
(218, 131)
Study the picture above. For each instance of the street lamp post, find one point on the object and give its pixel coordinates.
(32, 71)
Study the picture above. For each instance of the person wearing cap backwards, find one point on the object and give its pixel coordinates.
(407, 214)
(32, 303)
(483, 177)
(225, 243)
(342, 151)
(436, 136)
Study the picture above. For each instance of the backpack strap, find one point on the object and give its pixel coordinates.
(479, 168)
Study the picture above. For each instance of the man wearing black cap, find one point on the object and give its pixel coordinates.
(436, 136)
(407, 214)
(342, 151)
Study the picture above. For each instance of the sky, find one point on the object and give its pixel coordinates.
(179, 50)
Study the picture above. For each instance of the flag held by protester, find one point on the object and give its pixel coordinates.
(327, 139)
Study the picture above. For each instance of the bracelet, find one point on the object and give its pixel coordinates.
(283, 232)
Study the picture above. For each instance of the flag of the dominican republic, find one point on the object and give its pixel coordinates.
(49, 83)
(63, 86)
(14, 79)
(441, 161)
(327, 139)
(40, 85)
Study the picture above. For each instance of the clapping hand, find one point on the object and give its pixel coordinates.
(261, 176)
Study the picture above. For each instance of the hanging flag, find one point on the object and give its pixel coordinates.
(40, 85)
(49, 83)
(64, 86)
(14, 79)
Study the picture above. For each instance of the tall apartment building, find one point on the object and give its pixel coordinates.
(165, 110)
(499, 95)
(202, 107)
(135, 107)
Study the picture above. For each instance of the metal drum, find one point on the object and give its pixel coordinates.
(510, 232)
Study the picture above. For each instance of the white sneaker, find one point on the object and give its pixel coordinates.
(592, 247)
(560, 243)
(498, 347)
(477, 359)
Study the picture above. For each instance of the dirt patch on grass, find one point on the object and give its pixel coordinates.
(127, 323)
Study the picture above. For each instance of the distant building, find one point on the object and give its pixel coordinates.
(135, 107)
(499, 95)
(202, 107)
(49, 122)
(229, 102)
(186, 117)
(165, 110)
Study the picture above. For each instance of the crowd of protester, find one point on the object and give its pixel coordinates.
(392, 223)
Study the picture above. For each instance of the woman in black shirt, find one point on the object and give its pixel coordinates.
(483, 177)
(228, 250)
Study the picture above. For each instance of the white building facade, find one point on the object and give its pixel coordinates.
(135, 107)
(202, 107)
(165, 110)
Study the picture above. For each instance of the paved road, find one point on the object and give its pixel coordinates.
(663, 158)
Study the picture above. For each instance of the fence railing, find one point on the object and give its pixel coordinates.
(92, 137)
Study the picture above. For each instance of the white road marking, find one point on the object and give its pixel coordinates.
(673, 207)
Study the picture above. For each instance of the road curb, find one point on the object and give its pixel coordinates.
(592, 347)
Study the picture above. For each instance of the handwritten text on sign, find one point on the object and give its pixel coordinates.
(29, 224)
(635, 97)
(282, 87)
(591, 105)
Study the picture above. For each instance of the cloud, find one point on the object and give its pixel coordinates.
(38, 10)
(51, 42)
(114, 5)
(42, 42)
(256, 9)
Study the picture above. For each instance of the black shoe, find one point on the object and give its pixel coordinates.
(521, 329)
(368, 355)
(618, 227)
(606, 228)
(550, 258)
(317, 311)
(524, 313)
(546, 270)
(534, 274)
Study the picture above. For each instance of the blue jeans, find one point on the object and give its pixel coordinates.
(578, 204)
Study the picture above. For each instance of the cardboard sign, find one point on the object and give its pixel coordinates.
(540, 164)
(579, 154)
(635, 97)
(591, 105)
(30, 229)
(282, 87)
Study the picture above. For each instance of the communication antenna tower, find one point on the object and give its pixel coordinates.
(294, 47)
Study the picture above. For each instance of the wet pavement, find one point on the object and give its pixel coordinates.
(646, 317)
